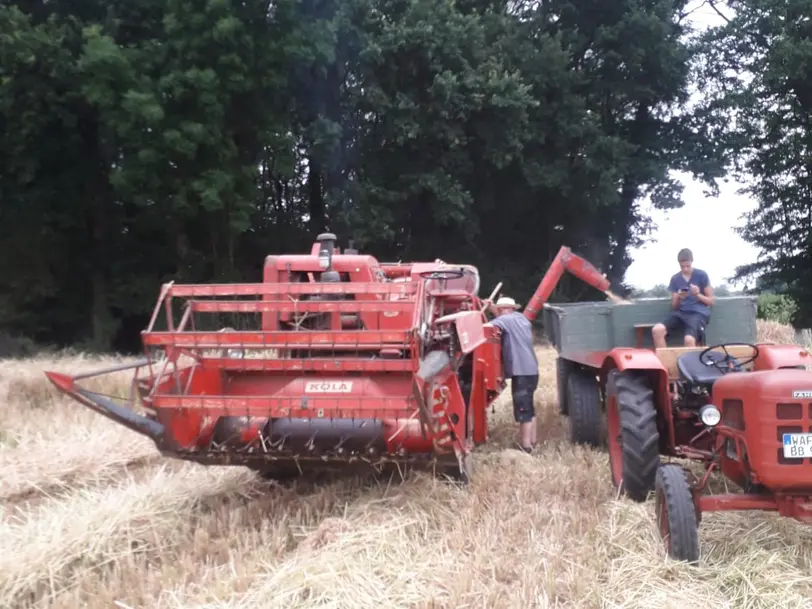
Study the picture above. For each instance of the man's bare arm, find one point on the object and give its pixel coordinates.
(707, 296)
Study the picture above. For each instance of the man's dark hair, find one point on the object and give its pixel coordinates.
(685, 255)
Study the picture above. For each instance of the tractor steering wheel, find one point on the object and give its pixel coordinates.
(445, 274)
(727, 362)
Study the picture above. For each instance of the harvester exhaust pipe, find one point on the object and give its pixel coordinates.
(327, 243)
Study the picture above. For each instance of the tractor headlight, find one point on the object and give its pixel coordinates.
(710, 415)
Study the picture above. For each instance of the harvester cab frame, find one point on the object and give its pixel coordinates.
(333, 361)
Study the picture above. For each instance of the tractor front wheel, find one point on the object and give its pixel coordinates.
(634, 442)
(676, 514)
(585, 411)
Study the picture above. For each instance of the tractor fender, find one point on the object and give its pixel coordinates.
(634, 359)
(644, 360)
(773, 357)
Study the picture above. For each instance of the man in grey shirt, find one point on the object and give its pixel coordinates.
(520, 366)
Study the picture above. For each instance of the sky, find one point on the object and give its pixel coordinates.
(705, 224)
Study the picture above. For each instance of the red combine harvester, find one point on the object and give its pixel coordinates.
(334, 359)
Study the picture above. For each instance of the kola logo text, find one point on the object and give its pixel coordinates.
(328, 386)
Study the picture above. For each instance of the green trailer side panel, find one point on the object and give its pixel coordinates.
(601, 326)
(581, 326)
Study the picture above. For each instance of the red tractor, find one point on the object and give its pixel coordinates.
(334, 359)
(743, 410)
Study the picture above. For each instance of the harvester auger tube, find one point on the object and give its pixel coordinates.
(564, 260)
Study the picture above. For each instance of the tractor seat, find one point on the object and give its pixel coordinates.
(697, 372)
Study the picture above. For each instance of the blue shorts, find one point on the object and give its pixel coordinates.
(692, 324)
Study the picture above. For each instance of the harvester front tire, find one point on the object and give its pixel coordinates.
(633, 440)
(562, 371)
(676, 514)
(584, 406)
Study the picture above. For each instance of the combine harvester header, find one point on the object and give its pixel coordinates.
(333, 360)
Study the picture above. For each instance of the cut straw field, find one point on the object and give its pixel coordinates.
(92, 517)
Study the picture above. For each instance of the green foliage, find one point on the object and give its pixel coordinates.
(661, 291)
(188, 139)
(756, 72)
(777, 307)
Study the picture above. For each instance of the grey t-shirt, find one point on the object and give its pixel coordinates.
(518, 356)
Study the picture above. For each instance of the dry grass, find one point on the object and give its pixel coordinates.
(92, 517)
(772, 331)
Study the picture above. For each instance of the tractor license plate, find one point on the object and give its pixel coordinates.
(797, 445)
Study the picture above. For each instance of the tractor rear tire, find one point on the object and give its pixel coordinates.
(584, 406)
(634, 451)
(563, 367)
(676, 514)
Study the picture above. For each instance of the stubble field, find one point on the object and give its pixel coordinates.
(91, 516)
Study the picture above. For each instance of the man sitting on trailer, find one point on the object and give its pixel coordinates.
(691, 300)
(520, 365)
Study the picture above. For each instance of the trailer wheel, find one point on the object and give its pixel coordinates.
(634, 441)
(584, 405)
(563, 367)
(676, 514)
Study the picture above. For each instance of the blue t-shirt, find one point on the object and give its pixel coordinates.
(518, 356)
(690, 304)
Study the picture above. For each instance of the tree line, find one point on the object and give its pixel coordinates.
(187, 139)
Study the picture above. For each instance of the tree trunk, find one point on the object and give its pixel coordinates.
(317, 219)
(101, 319)
(625, 217)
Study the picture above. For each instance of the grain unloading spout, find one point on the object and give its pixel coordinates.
(566, 260)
